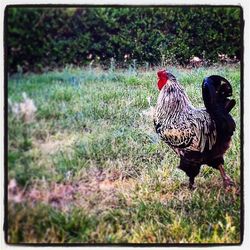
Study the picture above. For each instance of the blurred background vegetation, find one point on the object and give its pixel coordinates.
(40, 39)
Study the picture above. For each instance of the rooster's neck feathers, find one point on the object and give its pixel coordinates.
(173, 98)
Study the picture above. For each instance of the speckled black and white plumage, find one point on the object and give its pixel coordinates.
(180, 124)
(198, 136)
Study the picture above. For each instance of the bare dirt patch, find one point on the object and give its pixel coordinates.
(98, 191)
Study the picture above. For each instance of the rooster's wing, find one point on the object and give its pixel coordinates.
(192, 131)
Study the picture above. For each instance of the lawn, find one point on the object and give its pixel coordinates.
(90, 168)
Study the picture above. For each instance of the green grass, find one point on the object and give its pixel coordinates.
(91, 134)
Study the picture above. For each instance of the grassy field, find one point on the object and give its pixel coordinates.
(90, 169)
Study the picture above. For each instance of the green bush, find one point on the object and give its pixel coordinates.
(39, 39)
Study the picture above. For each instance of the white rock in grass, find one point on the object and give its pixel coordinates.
(196, 61)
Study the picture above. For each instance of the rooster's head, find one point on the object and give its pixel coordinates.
(163, 78)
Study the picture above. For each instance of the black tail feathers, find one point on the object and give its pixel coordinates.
(215, 92)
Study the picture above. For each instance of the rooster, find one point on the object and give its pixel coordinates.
(198, 136)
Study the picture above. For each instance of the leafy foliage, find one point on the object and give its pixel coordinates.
(43, 38)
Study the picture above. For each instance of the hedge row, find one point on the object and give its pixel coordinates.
(44, 38)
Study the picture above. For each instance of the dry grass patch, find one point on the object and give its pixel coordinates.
(54, 143)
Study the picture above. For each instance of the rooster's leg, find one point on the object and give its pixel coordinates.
(226, 179)
(191, 169)
(191, 183)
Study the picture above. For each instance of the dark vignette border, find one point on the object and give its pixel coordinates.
(5, 226)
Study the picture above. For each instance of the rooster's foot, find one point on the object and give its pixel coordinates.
(228, 182)
(192, 187)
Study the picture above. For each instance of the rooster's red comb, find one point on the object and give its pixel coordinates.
(161, 73)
